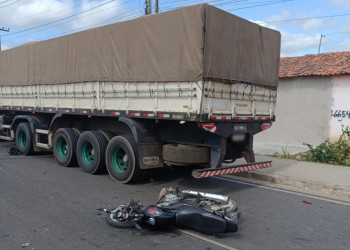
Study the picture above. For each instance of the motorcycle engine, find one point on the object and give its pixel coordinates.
(168, 199)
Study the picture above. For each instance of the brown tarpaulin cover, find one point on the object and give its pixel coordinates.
(187, 44)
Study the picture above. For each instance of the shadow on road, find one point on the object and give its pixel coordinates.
(170, 176)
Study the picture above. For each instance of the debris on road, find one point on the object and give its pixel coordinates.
(13, 151)
(306, 202)
(25, 245)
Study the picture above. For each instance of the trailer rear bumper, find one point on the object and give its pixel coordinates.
(210, 172)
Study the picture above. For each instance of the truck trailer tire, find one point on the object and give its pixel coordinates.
(24, 139)
(185, 154)
(91, 149)
(122, 160)
(64, 145)
(107, 135)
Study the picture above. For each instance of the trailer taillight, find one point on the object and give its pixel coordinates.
(265, 126)
(211, 127)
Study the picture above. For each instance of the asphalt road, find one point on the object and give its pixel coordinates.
(52, 207)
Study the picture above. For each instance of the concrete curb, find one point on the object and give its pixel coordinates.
(309, 185)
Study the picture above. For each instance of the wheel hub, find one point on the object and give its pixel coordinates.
(22, 139)
(120, 160)
(88, 153)
(62, 147)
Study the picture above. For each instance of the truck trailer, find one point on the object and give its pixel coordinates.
(188, 87)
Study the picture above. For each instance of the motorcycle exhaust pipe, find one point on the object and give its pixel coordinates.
(216, 197)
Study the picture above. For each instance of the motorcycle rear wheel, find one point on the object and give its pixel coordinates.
(231, 209)
(113, 222)
(223, 208)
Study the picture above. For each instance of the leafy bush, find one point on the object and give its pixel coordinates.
(337, 152)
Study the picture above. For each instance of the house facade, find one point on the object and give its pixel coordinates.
(313, 102)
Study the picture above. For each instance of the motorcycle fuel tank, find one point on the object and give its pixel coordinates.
(156, 217)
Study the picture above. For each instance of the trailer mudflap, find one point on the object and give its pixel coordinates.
(150, 155)
(210, 172)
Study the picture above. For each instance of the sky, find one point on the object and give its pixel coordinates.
(302, 23)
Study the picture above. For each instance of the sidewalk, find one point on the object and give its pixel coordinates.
(328, 179)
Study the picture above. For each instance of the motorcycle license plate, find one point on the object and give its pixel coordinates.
(240, 127)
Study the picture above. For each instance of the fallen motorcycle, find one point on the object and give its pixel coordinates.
(203, 212)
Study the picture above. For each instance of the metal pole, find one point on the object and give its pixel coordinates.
(156, 8)
(3, 29)
(319, 46)
(148, 9)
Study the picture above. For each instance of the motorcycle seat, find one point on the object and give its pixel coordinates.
(204, 221)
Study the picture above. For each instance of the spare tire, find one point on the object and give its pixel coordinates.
(185, 154)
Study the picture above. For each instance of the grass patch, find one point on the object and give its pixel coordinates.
(336, 153)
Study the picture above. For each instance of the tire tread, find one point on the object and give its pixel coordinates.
(25, 127)
(186, 154)
(98, 165)
(133, 174)
(72, 138)
(103, 146)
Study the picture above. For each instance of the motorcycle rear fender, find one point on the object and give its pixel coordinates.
(231, 226)
(204, 221)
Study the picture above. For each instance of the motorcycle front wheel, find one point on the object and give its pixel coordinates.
(115, 222)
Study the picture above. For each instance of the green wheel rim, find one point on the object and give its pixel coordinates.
(61, 147)
(87, 153)
(119, 159)
(22, 139)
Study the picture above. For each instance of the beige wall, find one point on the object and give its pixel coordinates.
(340, 111)
(302, 115)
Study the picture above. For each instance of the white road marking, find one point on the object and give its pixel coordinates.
(205, 239)
(284, 191)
